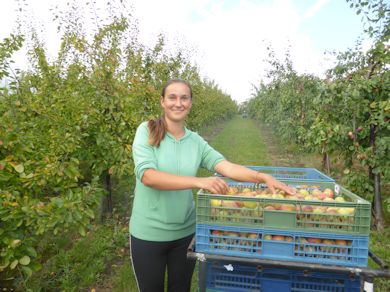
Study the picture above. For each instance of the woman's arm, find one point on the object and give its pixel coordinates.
(241, 173)
(165, 181)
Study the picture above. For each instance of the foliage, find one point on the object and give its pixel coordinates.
(346, 114)
(67, 125)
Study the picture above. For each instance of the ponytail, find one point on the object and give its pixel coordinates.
(157, 131)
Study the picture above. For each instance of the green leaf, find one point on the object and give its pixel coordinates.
(90, 213)
(31, 251)
(19, 168)
(25, 260)
(15, 243)
(82, 231)
(27, 271)
(14, 264)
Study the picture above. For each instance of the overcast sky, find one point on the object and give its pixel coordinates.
(228, 35)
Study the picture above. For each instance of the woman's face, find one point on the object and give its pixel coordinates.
(176, 102)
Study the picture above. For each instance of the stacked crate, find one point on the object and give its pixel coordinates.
(310, 228)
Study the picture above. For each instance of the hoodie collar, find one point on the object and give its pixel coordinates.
(187, 133)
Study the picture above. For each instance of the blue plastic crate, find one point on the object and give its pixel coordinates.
(293, 173)
(320, 248)
(232, 277)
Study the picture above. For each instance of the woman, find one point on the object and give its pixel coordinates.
(167, 156)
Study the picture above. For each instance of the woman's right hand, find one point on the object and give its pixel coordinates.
(213, 184)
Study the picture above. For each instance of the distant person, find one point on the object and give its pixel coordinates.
(167, 157)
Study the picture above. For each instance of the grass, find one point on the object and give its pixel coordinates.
(101, 262)
(240, 142)
(82, 265)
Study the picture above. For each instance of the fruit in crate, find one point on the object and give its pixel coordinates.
(332, 210)
(215, 203)
(250, 204)
(269, 208)
(328, 199)
(329, 245)
(307, 208)
(303, 192)
(313, 240)
(263, 196)
(267, 237)
(229, 204)
(316, 192)
(346, 211)
(329, 192)
(339, 199)
(287, 207)
(246, 190)
(232, 191)
(278, 237)
(319, 209)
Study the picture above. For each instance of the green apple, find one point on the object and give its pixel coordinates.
(215, 203)
(339, 199)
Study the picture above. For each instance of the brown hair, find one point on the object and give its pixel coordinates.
(158, 127)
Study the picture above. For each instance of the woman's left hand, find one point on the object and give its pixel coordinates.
(274, 184)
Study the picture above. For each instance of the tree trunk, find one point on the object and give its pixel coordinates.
(377, 200)
(106, 204)
(326, 163)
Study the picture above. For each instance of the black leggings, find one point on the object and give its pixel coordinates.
(150, 259)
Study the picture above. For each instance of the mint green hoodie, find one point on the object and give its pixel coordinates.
(160, 215)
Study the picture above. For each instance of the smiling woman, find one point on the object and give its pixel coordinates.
(167, 157)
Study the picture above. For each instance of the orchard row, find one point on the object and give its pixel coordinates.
(67, 126)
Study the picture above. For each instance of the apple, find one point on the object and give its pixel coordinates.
(339, 199)
(222, 215)
(315, 192)
(346, 211)
(291, 197)
(215, 203)
(332, 210)
(258, 213)
(341, 242)
(277, 196)
(328, 192)
(235, 217)
(322, 196)
(269, 208)
(319, 210)
(287, 207)
(267, 237)
(328, 242)
(216, 232)
(263, 196)
(278, 237)
(303, 192)
(229, 204)
(289, 238)
(232, 191)
(250, 204)
(313, 240)
(309, 198)
(328, 199)
(252, 239)
(246, 190)
(307, 208)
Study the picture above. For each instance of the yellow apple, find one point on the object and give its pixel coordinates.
(215, 203)
(339, 199)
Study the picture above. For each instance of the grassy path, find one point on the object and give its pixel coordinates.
(240, 142)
